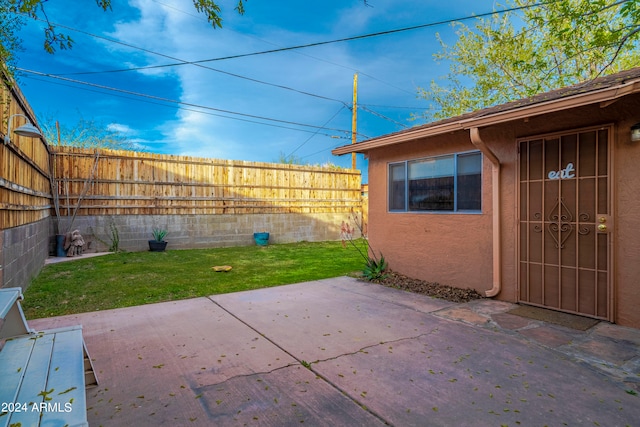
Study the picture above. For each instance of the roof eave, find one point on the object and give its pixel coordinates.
(579, 100)
(392, 139)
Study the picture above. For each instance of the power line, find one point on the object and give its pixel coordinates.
(309, 139)
(172, 101)
(281, 49)
(316, 132)
(199, 17)
(176, 59)
(204, 20)
(319, 151)
(393, 107)
(382, 116)
(200, 62)
(299, 53)
(341, 40)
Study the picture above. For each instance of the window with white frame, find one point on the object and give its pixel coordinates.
(451, 183)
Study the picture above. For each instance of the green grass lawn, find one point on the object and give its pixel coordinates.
(135, 278)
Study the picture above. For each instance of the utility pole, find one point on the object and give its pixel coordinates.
(354, 118)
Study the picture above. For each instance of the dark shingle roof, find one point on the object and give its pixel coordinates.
(590, 86)
(580, 88)
(593, 85)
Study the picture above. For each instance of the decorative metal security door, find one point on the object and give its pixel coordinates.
(565, 222)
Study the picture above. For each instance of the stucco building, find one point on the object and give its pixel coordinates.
(536, 201)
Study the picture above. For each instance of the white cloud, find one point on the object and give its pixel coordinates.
(192, 133)
(389, 68)
(121, 128)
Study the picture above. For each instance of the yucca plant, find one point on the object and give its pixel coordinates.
(159, 234)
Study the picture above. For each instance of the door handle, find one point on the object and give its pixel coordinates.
(604, 221)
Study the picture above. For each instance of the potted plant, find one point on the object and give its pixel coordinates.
(158, 244)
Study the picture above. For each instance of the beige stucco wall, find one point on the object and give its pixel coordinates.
(626, 233)
(456, 249)
(430, 246)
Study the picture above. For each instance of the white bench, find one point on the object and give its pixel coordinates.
(12, 320)
(43, 374)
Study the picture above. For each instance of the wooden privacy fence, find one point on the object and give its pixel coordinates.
(25, 192)
(108, 182)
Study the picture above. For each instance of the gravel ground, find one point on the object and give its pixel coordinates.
(436, 290)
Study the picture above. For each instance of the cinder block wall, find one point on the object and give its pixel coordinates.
(23, 252)
(204, 231)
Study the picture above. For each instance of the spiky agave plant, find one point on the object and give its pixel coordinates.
(374, 268)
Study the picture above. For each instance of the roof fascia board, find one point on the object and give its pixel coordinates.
(401, 137)
(580, 100)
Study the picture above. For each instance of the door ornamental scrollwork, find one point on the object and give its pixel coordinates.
(560, 220)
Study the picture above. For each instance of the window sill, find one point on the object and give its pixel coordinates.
(437, 212)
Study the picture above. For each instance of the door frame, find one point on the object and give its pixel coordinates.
(612, 132)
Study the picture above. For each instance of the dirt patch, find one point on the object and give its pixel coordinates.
(432, 289)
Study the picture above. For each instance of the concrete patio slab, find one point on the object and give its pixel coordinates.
(56, 260)
(152, 361)
(289, 396)
(341, 352)
(324, 319)
(456, 376)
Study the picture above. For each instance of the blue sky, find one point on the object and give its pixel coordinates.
(187, 109)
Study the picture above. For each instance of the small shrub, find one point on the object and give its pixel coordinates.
(374, 268)
(115, 238)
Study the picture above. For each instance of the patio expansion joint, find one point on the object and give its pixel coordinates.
(255, 330)
(361, 350)
(308, 365)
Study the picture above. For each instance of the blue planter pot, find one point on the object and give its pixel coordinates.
(262, 239)
(60, 245)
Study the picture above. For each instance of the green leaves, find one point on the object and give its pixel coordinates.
(210, 9)
(240, 7)
(14, 12)
(53, 40)
(374, 269)
(85, 133)
(159, 234)
(546, 46)
(104, 4)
